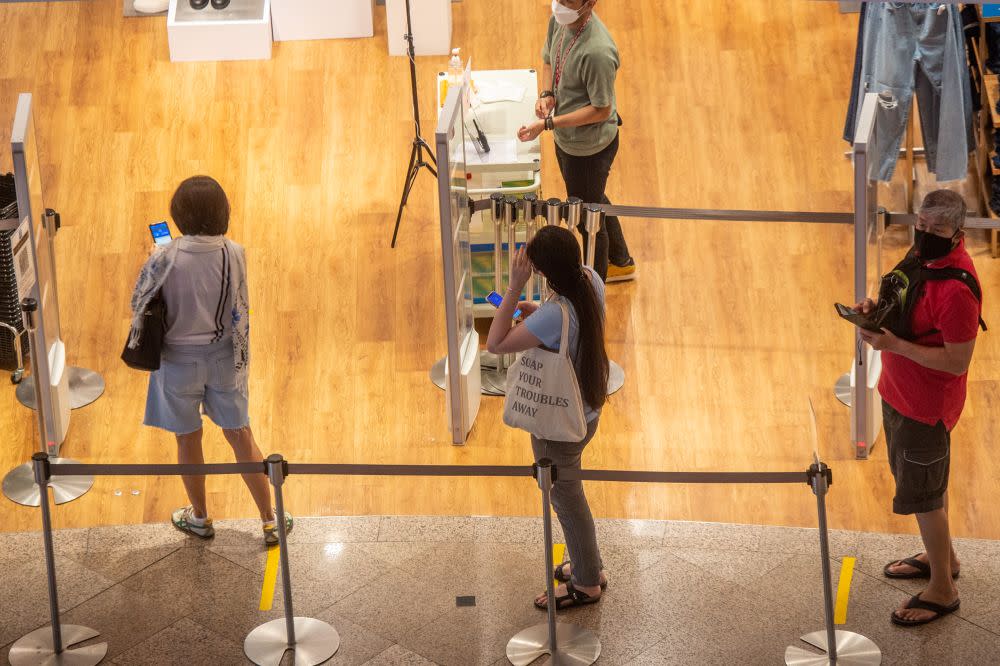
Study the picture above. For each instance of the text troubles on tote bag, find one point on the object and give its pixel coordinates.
(543, 396)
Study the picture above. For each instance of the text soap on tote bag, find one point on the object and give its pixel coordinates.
(543, 396)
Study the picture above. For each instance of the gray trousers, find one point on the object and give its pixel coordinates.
(571, 506)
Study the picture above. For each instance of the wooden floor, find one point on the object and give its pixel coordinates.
(727, 334)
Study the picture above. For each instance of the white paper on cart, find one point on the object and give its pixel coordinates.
(502, 151)
(490, 92)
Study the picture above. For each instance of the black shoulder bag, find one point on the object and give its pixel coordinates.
(146, 355)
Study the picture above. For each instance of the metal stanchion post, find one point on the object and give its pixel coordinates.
(48, 644)
(592, 223)
(20, 484)
(510, 209)
(574, 209)
(312, 640)
(18, 373)
(529, 233)
(841, 647)
(566, 643)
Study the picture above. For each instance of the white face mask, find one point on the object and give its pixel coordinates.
(564, 15)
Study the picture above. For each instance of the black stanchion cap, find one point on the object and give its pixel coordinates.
(29, 305)
(40, 456)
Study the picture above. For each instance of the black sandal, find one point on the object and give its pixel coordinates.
(923, 570)
(559, 574)
(573, 597)
(916, 602)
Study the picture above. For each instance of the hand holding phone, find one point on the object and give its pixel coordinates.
(859, 319)
(496, 299)
(160, 233)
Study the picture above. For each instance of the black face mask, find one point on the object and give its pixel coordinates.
(931, 246)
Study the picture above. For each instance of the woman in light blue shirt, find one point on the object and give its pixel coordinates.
(555, 253)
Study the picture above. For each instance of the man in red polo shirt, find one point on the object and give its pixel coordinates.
(923, 386)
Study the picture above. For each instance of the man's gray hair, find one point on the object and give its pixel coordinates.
(945, 206)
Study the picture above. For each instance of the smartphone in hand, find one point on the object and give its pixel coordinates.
(160, 233)
(496, 299)
(857, 318)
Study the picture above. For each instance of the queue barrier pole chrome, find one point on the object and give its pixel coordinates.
(20, 485)
(313, 641)
(848, 648)
(530, 224)
(565, 643)
(18, 373)
(54, 644)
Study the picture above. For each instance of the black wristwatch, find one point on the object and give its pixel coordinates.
(546, 93)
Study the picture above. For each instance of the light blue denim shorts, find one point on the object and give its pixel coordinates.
(195, 380)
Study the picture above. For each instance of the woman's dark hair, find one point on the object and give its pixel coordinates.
(200, 207)
(555, 252)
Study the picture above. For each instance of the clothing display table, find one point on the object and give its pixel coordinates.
(239, 32)
(322, 19)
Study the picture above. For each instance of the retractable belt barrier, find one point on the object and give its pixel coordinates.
(315, 641)
(539, 208)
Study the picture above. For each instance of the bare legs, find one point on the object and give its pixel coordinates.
(189, 451)
(245, 449)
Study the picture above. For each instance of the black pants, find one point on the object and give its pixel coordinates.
(586, 177)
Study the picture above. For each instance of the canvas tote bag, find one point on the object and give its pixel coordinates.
(543, 396)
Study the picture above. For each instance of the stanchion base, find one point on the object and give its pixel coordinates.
(19, 485)
(852, 650)
(36, 648)
(576, 645)
(315, 642)
(842, 389)
(616, 377)
(493, 381)
(85, 386)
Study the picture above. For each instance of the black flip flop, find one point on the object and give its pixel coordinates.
(923, 570)
(572, 598)
(559, 574)
(916, 602)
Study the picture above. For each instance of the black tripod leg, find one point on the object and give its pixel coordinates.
(411, 177)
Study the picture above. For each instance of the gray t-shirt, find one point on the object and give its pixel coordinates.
(588, 78)
(545, 323)
(196, 292)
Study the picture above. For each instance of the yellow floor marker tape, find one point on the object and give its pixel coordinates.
(844, 590)
(270, 579)
(558, 551)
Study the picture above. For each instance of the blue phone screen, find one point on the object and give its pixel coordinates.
(496, 299)
(160, 232)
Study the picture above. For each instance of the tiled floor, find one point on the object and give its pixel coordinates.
(679, 593)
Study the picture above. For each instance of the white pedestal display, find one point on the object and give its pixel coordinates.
(240, 32)
(322, 19)
(431, 26)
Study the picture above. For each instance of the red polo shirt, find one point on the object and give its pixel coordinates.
(920, 393)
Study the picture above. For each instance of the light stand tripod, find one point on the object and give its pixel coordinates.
(419, 145)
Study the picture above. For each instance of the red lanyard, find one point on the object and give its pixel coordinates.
(562, 56)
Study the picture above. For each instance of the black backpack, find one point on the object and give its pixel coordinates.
(901, 289)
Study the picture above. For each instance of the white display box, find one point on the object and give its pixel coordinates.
(322, 19)
(241, 31)
(431, 20)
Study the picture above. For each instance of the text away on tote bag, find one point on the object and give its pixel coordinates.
(543, 396)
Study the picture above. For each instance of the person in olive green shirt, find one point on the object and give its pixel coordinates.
(580, 65)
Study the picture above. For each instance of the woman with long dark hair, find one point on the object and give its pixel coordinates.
(555, 253)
